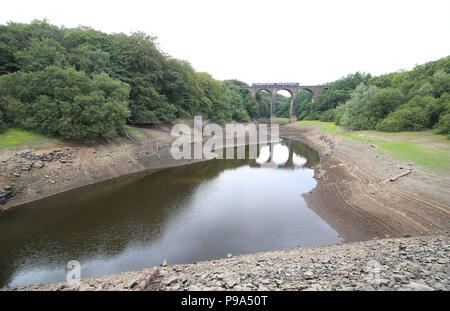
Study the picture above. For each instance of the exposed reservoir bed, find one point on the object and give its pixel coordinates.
(182, 214)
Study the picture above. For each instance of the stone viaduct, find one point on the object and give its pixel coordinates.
(273, 88)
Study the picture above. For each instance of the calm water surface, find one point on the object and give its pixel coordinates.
(183, 214)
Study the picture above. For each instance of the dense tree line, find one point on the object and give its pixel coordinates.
(402, 101)
(82, 84)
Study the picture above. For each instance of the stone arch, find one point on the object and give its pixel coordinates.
(308, 89)
(292, 94)
(265, 89)
(291, 91)
(292, 110)
(272, 92)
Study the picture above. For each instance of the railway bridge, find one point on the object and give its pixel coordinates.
(292, 88)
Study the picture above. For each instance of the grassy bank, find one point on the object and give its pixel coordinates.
(423, 148)
(15, 136)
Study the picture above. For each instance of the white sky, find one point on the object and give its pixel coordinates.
(310, 42)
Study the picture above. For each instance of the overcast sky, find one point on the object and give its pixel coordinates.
(310, 42)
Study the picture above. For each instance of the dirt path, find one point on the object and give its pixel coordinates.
(354, 194)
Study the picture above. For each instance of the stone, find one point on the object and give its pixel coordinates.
(194, 288)
(171, 280)
(308, 275)
(164, 263)
(418, 287)
(229, 255)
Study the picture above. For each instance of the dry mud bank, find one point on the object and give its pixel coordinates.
(355, 196)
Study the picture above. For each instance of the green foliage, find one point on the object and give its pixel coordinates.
(16, 136)
(40, 54)
(407, 100)
(80, 83)
(405, 119)
(443, 126)
(328, 116)
(104, 81)
(441, 82)
(282, 106)
(65, 103)
(339, 93)
(355, 113)
(383, 103)
(3, 124)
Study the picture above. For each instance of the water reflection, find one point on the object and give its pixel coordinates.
(182, 214)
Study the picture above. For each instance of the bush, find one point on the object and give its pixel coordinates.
(65, 103)
(2, 123)
(406, 119)
(313, 116)
(443, 126)
(384, 102)
(328, 115)
(355, 111)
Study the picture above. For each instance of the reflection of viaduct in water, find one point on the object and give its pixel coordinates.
(289, 163)
(313, 89)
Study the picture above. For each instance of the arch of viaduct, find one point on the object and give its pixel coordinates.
(313, 89)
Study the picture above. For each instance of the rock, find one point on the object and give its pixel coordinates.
(423, 266)
(171, 280)
(418, 287)
(230, 282)
(308, 275)
(229, 255)
(39, 164)
(194, 288)
(164, 263)
(6, 192)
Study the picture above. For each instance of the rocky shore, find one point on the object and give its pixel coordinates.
(416, 263)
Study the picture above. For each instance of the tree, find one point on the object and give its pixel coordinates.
(3, 124)
(383, 103)
(355, 114)
(441, 83)
(405, 119)
(40, 54)
(66, 103)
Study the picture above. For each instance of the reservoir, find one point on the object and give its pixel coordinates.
(183, 214)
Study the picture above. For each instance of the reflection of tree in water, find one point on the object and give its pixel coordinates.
(101, 220)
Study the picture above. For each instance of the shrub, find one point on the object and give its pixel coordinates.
(2, 123)
(443, 126)
(328, 115)
(65, 103)
(405, 119)
(313, 116)
(384, 102)
(355, 111)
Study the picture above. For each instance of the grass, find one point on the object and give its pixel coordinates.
(15, 136)
(423, 148)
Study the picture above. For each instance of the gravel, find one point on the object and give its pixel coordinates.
(411, 264)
